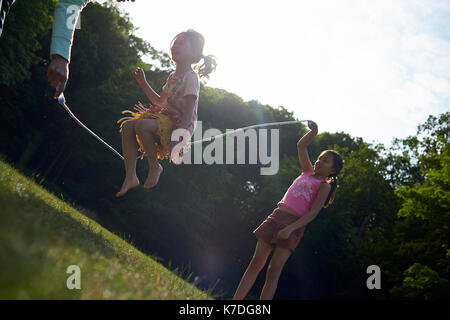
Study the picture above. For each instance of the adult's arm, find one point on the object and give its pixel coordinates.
(65, 17)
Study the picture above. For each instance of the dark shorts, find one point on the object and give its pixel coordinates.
(277, 220)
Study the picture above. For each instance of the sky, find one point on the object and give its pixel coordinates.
(372, 69)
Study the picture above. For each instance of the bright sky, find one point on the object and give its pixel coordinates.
(373, 69)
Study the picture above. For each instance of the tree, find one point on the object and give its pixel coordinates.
(27, 27)
(424, 217)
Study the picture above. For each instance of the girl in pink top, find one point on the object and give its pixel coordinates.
(284, 227)
(149, 129)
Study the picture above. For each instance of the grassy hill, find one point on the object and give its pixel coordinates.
(41, 236)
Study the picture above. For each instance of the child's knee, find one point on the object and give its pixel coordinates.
(146, 126)
(129, 126)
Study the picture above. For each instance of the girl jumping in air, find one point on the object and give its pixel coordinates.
(149, 129)
(284, 227)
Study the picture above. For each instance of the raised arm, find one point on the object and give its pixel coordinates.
(149, 92)
(302, 145)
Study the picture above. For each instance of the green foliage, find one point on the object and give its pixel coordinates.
(422, 282)
(422, 234)
(26, 28)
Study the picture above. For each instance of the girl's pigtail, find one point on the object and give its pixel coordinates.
(197, 42)
(208, 66)
(332, 179)
(333, 182)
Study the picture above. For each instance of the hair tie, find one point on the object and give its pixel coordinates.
(333, 178)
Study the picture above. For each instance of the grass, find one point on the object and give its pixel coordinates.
(41, 236)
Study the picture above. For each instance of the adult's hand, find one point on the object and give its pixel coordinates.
(58, 74)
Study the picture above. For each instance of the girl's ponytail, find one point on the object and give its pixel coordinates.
(333, 182)
(332, 179)
(208, 66)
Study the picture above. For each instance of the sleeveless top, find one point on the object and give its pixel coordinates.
(301, 193)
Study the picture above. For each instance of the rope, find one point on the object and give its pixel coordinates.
(250, 127)
(62, 102)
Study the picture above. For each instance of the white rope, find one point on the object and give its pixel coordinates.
(249, 127)
(62, 102)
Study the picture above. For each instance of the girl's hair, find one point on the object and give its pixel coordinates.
(332, 179)
(197, 42)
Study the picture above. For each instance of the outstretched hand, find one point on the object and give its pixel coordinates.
(58, 74)
(312, 125)
(140, 76)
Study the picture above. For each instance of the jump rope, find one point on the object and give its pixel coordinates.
(62, 102)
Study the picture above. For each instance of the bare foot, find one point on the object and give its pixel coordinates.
(153, 176)
(127, 185)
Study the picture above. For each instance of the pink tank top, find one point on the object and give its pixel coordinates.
(301, 193)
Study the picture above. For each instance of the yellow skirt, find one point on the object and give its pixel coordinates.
(165, 127)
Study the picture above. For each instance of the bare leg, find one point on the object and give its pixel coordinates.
(130, 150)
(145, 129)
(276, 265)
(258, 261)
